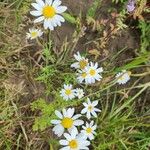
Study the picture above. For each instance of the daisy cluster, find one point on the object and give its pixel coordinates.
(76, 132)
(88, 72)
(69, 123)
(47, 12)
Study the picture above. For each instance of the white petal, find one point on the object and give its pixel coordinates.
(40, 2)
(94, 127)
(76, 116)
(84, 111)
(94, 113)
(58, 130)
(39, 19)
(46, 24)
(73, 129)
(36, 6)
(85, 104)
(58, 114)
(91, 136)
(60, 18)
(64, 112)
(49, 2)
(96, 109)
(50, 26)
(36, 13)
(53, 22)
(67, 136)
(78, 122)
(94, 103)
(88, 101)
(75, 65)
(88, 115)
(55, 121)
(56, 3)
(61, 9)
(70, 112)
(63, 142)
(74, 132)
(82, 135)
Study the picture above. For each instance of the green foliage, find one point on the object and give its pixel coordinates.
(119, 1)
(70, 18)
(120, 20)
(119, 126)
(92, 10)
(47, 110)
(145, 36)
(137, 62)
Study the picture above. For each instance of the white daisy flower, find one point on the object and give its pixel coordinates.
(34, 33)
(93, 73)
(82, 62)
(67, 93)
(48, 12)
(66, 121)
(90, 108)
(79, 93)
(74, 141)
(123, 77)
(82, 77)
(89, 130)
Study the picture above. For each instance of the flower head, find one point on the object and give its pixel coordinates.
(67, 93)
(130, 5)
(123, 77)
(93, 73)
(74, 141)
(82, 76)
(90, 108)
(81, 63)
(67, 120)
(89, 130)
(34, 33)
(79, 93)
(48, 12)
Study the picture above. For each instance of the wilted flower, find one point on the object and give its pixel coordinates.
(123, 77)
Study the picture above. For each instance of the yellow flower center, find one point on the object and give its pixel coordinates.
(68, 92)
(83, 64)
(92, 72)
(90, 108)
(84, 75)
(34, 34)
(122, 77)
(67, 122)
(73, 144)
(88, 130)
(49, 12)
